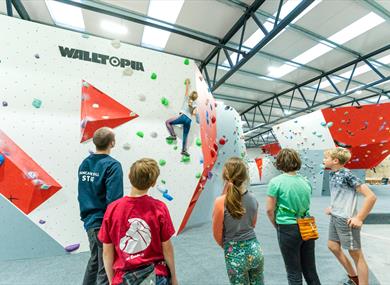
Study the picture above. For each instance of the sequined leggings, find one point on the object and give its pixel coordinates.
(244, 262)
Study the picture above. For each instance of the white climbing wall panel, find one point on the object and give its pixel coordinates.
(305, 132)
(32, 67)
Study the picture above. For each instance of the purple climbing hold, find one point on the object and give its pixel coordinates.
(42, 222)
(5, 104)
(72, 247)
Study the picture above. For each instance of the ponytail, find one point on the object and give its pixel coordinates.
(233, 201)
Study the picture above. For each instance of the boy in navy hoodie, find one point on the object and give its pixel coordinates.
(100, 183)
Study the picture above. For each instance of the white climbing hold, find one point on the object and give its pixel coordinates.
(153, 134)
(95, 106)
(141, 97)
(128, 71)
(116, 43)
(126, 146)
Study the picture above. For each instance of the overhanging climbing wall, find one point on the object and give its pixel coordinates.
(365, 130)
(230, 142)
(57, 87)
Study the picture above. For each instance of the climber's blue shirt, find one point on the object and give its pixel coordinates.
(100, 183)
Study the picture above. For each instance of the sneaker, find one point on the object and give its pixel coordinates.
(348, 282)
(171, 138)
(183, 152)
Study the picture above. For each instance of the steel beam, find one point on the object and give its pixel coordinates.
(19, 7)
(9, 7)
(233, 30)
(316, 37)
(265, 40)
(378, 51)
(111, 10)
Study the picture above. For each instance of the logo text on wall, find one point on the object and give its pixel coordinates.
(100, 58)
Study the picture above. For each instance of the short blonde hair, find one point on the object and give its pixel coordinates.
(144, 173)
(342, 154)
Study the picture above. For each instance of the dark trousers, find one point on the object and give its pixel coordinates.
(298, 255)
(95, 273)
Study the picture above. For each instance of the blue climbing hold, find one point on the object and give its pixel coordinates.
(2, 159)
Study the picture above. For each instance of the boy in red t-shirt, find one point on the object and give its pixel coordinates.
(136, 233)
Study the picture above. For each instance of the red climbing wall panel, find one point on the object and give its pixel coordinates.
(22, 180)
(100, 110)
(272, 148)
(208, 130)
(365, 130)
(259, 163)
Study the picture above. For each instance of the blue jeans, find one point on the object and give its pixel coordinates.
(181, 120)
(143, 275)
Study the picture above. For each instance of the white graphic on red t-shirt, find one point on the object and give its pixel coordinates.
(137, 238)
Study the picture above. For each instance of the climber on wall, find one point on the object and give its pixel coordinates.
(187, 111)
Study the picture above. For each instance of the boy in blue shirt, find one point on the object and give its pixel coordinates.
(100, 183)
(346, 221)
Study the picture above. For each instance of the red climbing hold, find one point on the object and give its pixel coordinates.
(222, 141)
(213, 119)
(213, 153)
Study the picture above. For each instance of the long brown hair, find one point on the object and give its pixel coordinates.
(235, 174)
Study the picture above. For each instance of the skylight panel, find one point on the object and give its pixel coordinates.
(113, 27)
(66, 15)
(165, 10)
(348, 33)
(357, 28)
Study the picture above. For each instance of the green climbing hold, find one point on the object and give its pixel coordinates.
(186, 61)
(140, 134)
(198, 142)
(37, 103)
(185, 158)
(162, 162)
(163, 181)
(169, 140)
(198, 175)
(153, 76)
(164, 101)
(175, 147)
(85, 84)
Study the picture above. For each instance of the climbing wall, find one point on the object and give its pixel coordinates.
(230, 142)
(261, 164)
(364, 129)
(57, 87)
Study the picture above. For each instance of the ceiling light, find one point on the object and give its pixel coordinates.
(350, 32)
(164, 10)
(113, 27)
(358, 92)
(66, 15)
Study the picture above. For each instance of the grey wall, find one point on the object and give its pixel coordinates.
(21, 238)
(312, 169)
(228, 125)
